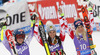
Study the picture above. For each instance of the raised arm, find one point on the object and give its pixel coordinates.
(69, 30)
(30, 36)
(36, 33)
(62, 29)
(64, 26)
(6, 44)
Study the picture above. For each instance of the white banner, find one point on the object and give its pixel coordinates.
(96, 10)
(19, 16)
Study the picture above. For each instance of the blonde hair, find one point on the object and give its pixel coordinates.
(83, 34)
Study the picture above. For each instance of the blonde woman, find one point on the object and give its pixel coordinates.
(80, 38)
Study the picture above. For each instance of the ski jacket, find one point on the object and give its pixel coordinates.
(56, 48)
(82, 46)
(62, 36)
(22, 49)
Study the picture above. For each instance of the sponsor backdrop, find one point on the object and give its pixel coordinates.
(47, 10)
(50, 8)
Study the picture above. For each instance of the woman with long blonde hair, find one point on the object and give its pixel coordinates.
(80, 30)
(80, 38)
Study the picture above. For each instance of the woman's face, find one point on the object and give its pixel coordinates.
(80, 29)
(52, 34)
(20, 40)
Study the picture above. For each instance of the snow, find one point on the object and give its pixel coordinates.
(69, 48)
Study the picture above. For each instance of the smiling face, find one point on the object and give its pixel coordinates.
(80, 29)
(20, 40)
(52, 34)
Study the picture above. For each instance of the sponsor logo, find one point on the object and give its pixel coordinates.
(20, 30)
(54, 47)
(16, 18)
(22, 49)
(85, 52)
(78, 22)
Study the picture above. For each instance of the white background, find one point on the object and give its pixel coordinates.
(69, 48)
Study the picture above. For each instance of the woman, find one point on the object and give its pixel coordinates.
(22, 42)
(55, 42)
(80, 38)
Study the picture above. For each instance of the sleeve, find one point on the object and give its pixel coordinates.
(6, 44)
(69, 30)
(36, 33)
(30, 36)
(62, 29)
(64, 26)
